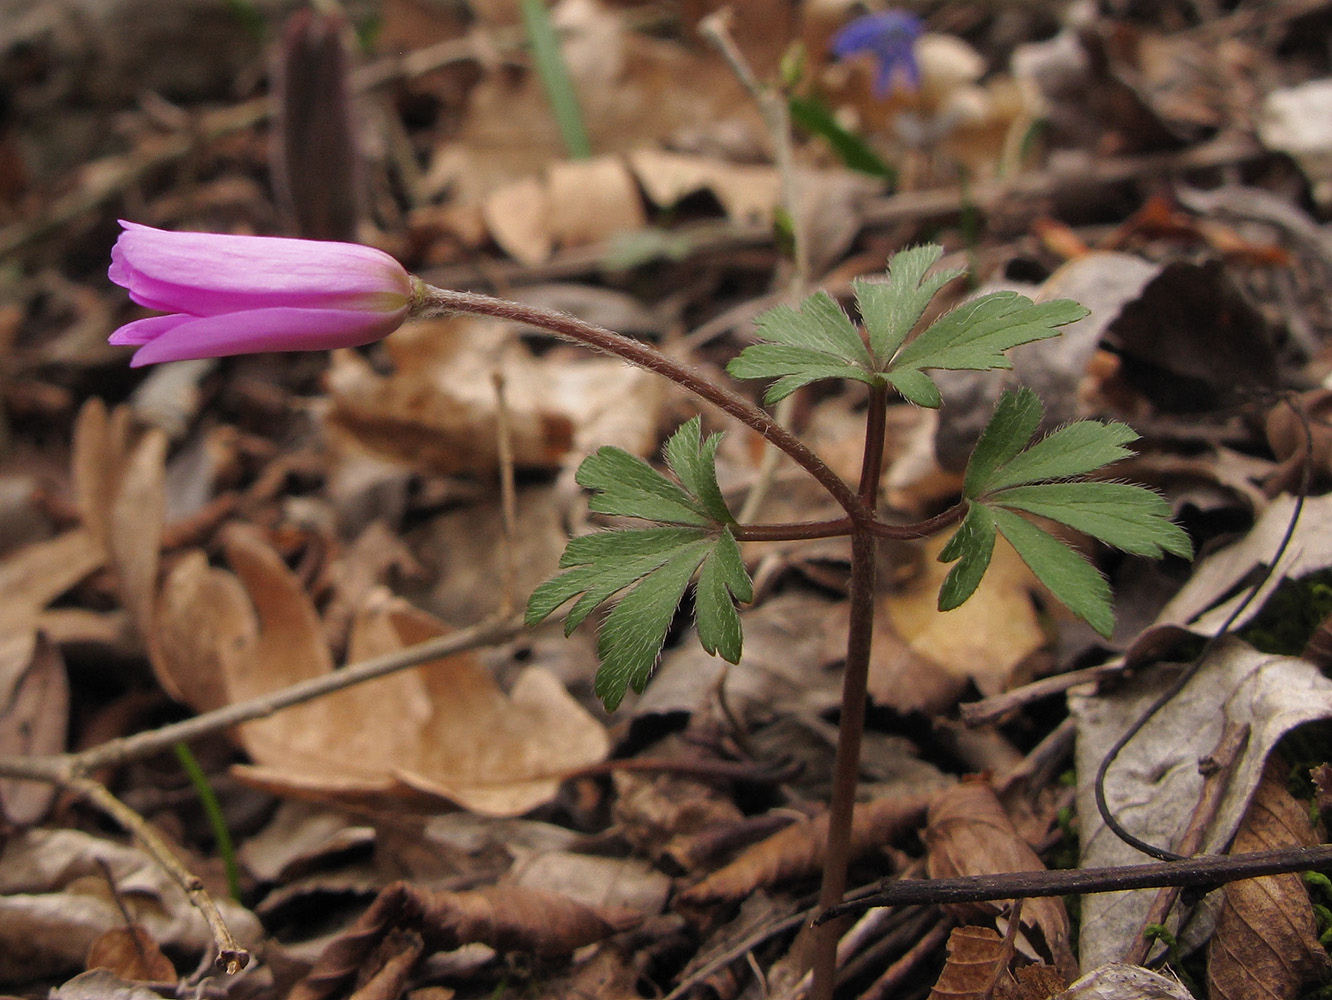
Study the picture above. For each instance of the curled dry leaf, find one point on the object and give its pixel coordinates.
(131, 953)
(1265, 944)
(797, 851)
(977, 966)
(97, 449)
(442, 730)
(504, 918)
(1291, 427)
(120, 489)
(969, 833)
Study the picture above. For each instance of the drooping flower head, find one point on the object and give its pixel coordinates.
(889, 37)
(251, 294)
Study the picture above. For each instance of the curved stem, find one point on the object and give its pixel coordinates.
(431, 301)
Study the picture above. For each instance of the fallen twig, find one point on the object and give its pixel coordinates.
(1204, 871)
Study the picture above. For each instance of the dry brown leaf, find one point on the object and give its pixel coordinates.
(505, 918)
(35, 575)
(200, 612)
(1287, 424)
(377, 553)
(746, 193)
(518, 217)
(1265, 944)
(99, 443)
(135, 525)
(494, 753)
(55, 899)
(132, 954)
(986, 640)
(34, 718)
(977, 966)
(797, 851)
(1037, 982)
(442, 730)
(121, 492)
(592, 200)
(1117, 981)
(655, 811)
(969, 833)
(437, 410)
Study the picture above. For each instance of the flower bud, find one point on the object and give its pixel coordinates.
(249, 294)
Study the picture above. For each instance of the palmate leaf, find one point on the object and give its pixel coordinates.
(975, 335)
(624, 485)
(799, 346)
(652, 567)
(817, 341)
(1127, 517)
(1002, 478)
(892, 308)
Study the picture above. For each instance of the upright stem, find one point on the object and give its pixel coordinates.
(846, 766)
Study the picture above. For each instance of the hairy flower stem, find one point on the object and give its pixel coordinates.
(846, 766)
(432, 301)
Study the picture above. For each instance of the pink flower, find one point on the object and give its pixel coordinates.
(242, 294)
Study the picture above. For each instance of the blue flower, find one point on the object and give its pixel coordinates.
(889, 38)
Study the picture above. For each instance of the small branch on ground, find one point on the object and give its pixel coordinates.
(1205, 871)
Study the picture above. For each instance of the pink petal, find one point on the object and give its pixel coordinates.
(261, 330)
(142, 331)
(207, 274)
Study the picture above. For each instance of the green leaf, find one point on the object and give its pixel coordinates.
(804, 345)
(974, 335)
(1073, 581)
(819, 324)
(892, 308)
(796, 366)
(721, 577)
(554, 74)
(632, 635)
(1002, 478)
(1131, 518)
(916, 387)
(604, 563)
(811, 115)
(652, 566)
(1072, 450)
(626, 486)
(694, 463)
(971, 546)
(1016, 416)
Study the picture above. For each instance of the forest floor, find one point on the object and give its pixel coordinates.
(183, 544)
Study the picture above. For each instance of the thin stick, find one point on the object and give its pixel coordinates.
(1205, 871)
(508, 500)
(64, 768)
(738, 950)
(777, 119)
(1218, 767)
(893, 976)
(231, 957)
